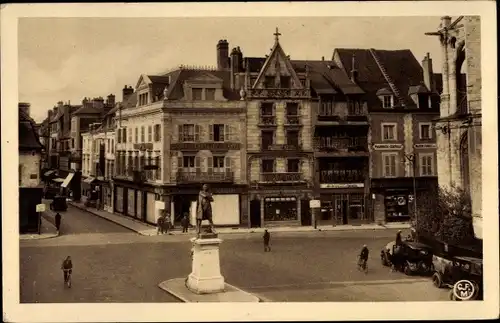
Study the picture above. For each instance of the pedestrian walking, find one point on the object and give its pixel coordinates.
(266, 237)
(363, 258)
(67, 268)
(185, 223)
(167, 223)
(58, 221)
(160, 224)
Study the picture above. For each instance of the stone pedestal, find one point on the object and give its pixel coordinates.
(205, 277)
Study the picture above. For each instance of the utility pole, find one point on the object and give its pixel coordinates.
(412, 159)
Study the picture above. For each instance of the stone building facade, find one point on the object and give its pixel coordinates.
(459, 125)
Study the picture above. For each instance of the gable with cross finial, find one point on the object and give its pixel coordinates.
(276, 64)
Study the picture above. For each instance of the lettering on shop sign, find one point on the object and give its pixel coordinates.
(425, 146)
(144, 146)
(342, 185)
(387, 146)
(212, 146)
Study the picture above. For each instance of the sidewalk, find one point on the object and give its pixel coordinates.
(150, 230)
(48, 230)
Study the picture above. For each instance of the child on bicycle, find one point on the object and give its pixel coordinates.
(67, 268)
(363, 257)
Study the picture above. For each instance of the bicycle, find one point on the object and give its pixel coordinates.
(363, 265)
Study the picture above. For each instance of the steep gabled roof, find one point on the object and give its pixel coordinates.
(28, 136)
(400, 67)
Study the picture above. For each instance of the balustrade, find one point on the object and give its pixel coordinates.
(204, 177)
(292, 120)
(333, 143)
(267, 120)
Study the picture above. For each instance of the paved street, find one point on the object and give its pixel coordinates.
(112, 264)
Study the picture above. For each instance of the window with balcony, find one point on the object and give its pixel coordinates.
(158, 170)
(150, 134)
(426, 164)
(189, 133)
(267, 116)
(425, 131)
(285, 82)
(210, 94)
(293, 165)
(130, 135)
(389, 162)
(136, 135)
(292, 109)
(124, 135)
(219, 132)
(267, 166)
(130, 165)
(157, 134)
(190, 163)
(267, 138)
(197, 94)
(143, 134)
(292, 139)
(389, 132)
(218, 164)
(269, 82)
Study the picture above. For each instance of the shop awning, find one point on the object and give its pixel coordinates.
(50, 172)
(89, 180)
(67, 180)
(58, 180)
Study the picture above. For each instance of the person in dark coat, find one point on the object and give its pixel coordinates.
(58, 221)
(267, 237)
(185, 223)
(363, 257)
(399, 240)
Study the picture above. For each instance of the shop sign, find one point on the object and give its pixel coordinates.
(342, 185)
(280, 199)
(314, 204)
(388, 146)
(425, 146)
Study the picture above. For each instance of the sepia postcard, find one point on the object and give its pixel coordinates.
(267, 161)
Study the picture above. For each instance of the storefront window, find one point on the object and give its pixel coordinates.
(396, 207)
(356, 207)
(280, 209)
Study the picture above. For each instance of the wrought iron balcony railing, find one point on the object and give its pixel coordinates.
(338, 144)
(279, 93)
(281, 177)
(266, 120)
(342, 176)
(287, 147)
(292, 120)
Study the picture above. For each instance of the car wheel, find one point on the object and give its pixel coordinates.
(436, 280)
(452, 295)
(383, 259)
(406, 269)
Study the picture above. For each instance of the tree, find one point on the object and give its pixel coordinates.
(448, 217)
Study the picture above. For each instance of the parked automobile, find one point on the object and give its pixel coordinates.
(447, 272)
(410, 257)
(59, 203)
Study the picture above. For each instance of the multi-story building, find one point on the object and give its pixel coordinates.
(402, 101)
(44, 135)
(459, 123)
(30, 190)
(91, 111)
(184, 131)
(279, 166)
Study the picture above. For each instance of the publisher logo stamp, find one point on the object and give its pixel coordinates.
(464, 290)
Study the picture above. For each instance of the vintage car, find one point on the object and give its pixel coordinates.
(449, 271)
(410, 257)
(59, 203)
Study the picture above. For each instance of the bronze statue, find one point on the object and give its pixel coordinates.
(204, 210)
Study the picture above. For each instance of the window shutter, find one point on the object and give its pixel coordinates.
(196, 133)
(227, 164)
(180, 137)
(234, 134)
(179, 163)
(210, 164)
(211, 132)
(197, 164)
(119, 136)
(227, 133)
(393, 165)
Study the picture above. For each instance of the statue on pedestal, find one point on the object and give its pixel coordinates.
(204, 210)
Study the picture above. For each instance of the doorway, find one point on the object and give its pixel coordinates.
(182, 205)
(255, 214)
(341, 209)
(305, 213)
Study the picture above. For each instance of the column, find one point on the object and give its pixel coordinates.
(244, 207)
(299, 209)
(262, 212)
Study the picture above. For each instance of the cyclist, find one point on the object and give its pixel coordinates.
(67, 268)
(363, 258)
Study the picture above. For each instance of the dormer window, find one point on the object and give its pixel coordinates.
(143, 98)
(387, 101)
(210, 94)
(285, 82)
(197, 94)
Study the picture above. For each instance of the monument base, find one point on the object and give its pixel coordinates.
(177, 288)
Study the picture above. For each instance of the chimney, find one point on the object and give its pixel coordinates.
(236, 65)
(49, 115)
(428, 73)
(54, 111)
(98, 103)
(111, 100)
(25, 107)
(126, 92)
(222, 55)
(354, 70)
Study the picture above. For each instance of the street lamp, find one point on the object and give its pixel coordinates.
(412, 159)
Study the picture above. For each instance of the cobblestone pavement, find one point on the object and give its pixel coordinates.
(301, 267)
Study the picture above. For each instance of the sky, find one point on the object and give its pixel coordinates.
(67, 59)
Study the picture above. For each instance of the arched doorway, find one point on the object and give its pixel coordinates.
(464, 162)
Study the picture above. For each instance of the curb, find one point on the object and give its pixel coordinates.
(236, 231)
(97, 214)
